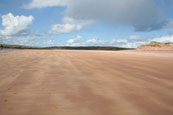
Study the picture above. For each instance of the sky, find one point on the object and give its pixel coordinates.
(121, 23)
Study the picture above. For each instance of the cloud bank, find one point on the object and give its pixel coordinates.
(15, 25)
(132, 42)
(143, 15)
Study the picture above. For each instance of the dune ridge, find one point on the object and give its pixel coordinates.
(156, 46)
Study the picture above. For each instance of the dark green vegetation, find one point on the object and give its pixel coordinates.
(17, 47)
(65, 47)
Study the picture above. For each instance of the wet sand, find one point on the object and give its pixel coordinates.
(6, 51)
(58, 82)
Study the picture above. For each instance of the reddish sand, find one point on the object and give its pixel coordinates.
(52, 82)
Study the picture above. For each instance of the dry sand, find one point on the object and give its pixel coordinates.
(57, 82)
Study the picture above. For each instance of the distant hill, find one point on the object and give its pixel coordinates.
(3, 46)
(156, 46)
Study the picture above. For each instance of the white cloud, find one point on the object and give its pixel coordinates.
(30, 40)
(20, 40)
(45, 3)
(163, 39)
(134, 41)
(69, 25)
(143, 15)
(97, 42)
(49, 42)
(128, 43)
(14, 25)
(91, 42)
(131, 42)
(63, 28)
(74, 42)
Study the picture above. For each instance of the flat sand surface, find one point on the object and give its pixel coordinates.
(59, 82)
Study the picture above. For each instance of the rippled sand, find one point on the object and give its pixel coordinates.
(58, 82)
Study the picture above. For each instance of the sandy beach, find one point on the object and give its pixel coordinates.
(64, 82)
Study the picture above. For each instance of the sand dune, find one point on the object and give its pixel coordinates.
(58, 82)
(156, 46)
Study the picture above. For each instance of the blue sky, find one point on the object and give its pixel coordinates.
(85, 22)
